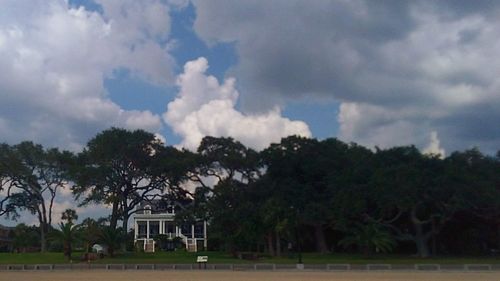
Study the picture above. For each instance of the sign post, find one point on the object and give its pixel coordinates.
(202, 260)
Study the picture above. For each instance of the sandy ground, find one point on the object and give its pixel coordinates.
(247, 276)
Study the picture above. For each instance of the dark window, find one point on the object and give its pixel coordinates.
(169, 228)
(198, 230)
(186, 230)
(142, 229)
(154, 228)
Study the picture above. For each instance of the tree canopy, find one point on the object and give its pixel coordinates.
(298, 194)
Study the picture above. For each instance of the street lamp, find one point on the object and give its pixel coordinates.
(300, 265)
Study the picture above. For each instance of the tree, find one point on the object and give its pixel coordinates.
(33, 176)
(369, 237)
(26, 237)
(223, 171)
(224, 159)
(7, 183)
(90, 230)
(117, 168)
(476, 178)
(68, 234)
(298, 169)
(111, 237)
(69, 215)
(419, 187)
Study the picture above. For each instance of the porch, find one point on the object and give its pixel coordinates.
(192, 235)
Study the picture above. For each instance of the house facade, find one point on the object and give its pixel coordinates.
(6, 242)
(157, 218)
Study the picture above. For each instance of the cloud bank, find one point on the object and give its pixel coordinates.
(206, 108)
(400, 69)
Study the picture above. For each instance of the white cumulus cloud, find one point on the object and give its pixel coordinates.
(55, 58)
(434, 147)
(204, 107)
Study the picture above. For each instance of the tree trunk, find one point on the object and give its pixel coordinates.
(43, 239)
(125, 222)
(67, 250)
(434, 242)
(498, 236)
(421, 240)
(278, 244)
(319, 235)
(114, 215)
(367, 250)
(125, 232)
(270, 245)
(42, 220)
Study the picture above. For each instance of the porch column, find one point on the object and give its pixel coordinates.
(136, 230)
(192, 231)
(205, 235)
(162, 227)
(147, 230)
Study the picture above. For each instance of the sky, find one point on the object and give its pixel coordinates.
(379, 73)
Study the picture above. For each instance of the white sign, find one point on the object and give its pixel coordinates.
(202, 259)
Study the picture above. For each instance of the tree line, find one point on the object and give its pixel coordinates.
(301, 194)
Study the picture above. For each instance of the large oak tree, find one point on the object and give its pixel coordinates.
(32, 177)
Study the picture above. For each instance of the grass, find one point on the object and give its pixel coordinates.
(220, 257)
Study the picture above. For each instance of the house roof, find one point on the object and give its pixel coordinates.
(6, 227)
(161, 205)
(4, 233)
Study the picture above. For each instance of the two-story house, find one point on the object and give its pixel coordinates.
(157, 217)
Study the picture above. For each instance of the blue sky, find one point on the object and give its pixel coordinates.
(378, 73)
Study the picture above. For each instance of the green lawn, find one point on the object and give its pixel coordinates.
(218, 257)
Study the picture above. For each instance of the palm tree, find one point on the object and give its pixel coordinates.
(69, 215)
(68, 234)
(91, 233)
(112, 238)
(368, 237)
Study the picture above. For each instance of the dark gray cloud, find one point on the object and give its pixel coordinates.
(401, 69)
(302, 47)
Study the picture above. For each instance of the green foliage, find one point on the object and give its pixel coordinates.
(26, 238)
(122, 168)
(69, 215)
(67, 234)
(369, 238)
(32, 176)
(90, 230)
(111, 237)
(165, 243)
(234, 168)
(299, 190)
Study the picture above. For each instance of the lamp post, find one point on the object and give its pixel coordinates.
(299, 249)
(300, 265)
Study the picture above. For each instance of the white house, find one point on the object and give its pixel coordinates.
(157, 217)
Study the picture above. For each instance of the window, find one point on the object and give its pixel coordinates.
(198, 230)
(186, 230)
(154, 228)
(169, 228)
(147, 210)
(142, 231)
